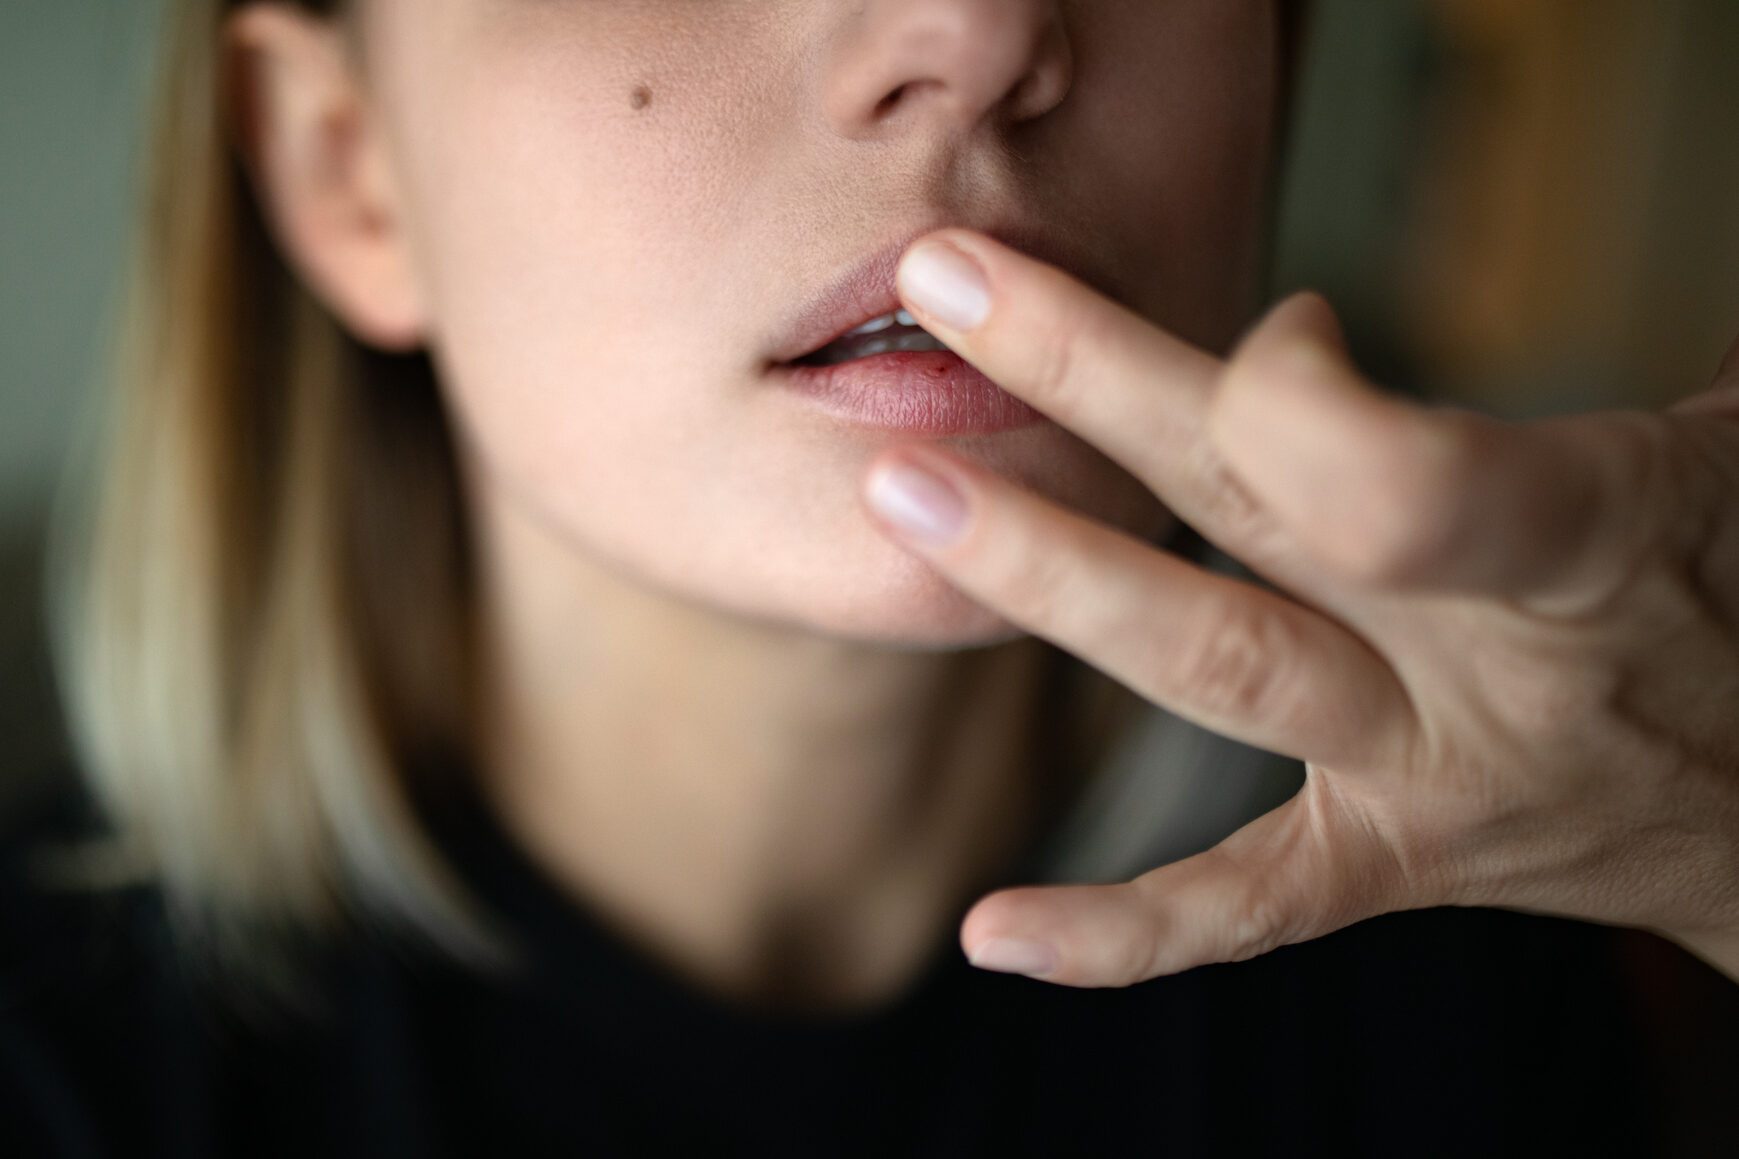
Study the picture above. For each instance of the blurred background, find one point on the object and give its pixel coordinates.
(1524, 206)
(1520, 205)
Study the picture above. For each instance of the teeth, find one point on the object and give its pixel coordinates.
(875, 324)
(899, 332)
(906, 340)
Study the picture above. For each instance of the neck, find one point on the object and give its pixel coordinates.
(782, 817)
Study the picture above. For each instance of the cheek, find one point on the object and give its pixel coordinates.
(1174, 154)
(566, 240)
(599, 281)
(578, 163)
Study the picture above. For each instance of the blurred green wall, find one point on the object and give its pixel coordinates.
(72, 80)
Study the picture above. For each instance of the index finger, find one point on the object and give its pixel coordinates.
(1098, 368)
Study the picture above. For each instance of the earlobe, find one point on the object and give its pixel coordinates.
(297, 114)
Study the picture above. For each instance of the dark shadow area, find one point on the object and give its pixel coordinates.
(32, 724)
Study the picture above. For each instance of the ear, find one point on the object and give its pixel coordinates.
(320, 169)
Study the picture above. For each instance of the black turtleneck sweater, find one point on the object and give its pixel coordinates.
(1444, 1032)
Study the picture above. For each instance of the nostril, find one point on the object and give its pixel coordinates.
(891, 99)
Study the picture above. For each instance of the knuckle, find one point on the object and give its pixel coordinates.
(1149, 953)
(1654, 497)
(1642, 469)
(1232, 924)
(1227, 505)
(1685, 479)
(1257, 923)
(1641, 452)
(1238, 664)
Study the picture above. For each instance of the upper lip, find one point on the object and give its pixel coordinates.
(866, 290)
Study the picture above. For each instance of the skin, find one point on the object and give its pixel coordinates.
(724, 709)
(1507, 652)
(1504, 651)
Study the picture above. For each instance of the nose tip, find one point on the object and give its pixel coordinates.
(948, 63)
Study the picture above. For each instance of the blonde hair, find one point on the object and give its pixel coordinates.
(266, 648)
(267, 616)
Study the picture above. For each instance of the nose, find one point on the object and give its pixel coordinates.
(947, 64)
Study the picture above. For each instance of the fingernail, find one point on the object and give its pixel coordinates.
(919, 503)
(942, 281)
(1014, 956)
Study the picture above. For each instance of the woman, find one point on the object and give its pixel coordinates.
(517, 649)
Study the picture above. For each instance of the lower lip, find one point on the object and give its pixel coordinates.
(917, 392)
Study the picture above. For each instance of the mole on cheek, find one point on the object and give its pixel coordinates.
(640, 97)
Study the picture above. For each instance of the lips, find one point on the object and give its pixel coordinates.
(864, 293)
(891, 333)
(866, 290)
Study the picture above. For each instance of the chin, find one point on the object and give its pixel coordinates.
(956, 626)
(900, 602)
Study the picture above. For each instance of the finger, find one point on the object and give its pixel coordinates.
(1309, 867)
(1111, 376)
(1722, 397)
(1234, 658)
(1719, 402)
(1392, 493)
(1729, 364)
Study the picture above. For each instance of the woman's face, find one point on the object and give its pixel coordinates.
(615, 210)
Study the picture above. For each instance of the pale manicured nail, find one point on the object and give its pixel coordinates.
(918, 503)
(940, 279)
(1015, 956)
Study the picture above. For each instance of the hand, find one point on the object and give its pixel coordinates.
(1508, 653)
